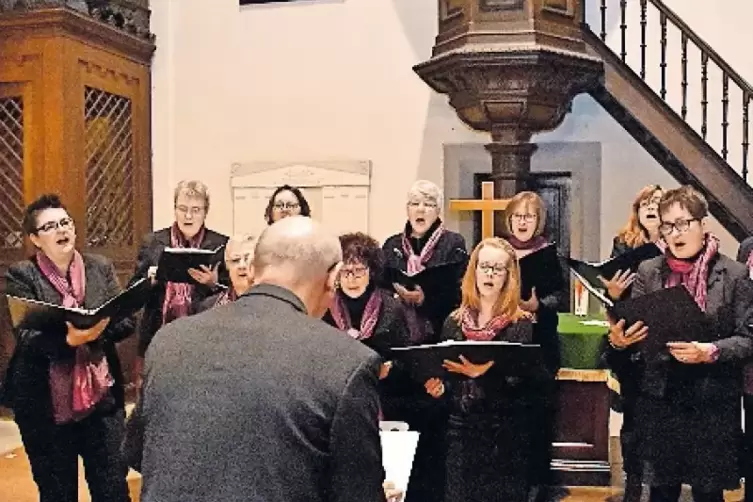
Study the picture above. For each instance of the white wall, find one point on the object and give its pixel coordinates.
(333, 79)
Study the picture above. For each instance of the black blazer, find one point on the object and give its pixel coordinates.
(27, 381)
(729, 306)
(149, 254)
(257, 401)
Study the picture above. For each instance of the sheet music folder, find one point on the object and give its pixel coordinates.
(26, 313)
(441, 276)
(542, 270)
(510, 359)
(174, 263)
(607, 269)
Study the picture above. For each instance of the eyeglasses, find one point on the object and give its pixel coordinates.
(236, 261)
(528, 218)
(51, 226)
(428, 205)
(195, 211)
(650, 202)
(495, 270)
(286, 205)
(681, 225)
(355, 273)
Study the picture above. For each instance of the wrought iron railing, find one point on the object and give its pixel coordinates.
(701, 87)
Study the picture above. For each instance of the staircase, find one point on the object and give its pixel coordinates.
(687, 107)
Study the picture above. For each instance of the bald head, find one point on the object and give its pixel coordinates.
(297, 246)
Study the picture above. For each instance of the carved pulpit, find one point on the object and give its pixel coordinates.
(74, 120)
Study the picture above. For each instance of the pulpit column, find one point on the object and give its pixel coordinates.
(511, 169)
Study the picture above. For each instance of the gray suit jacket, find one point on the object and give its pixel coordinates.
(729, 306)
(256, 401)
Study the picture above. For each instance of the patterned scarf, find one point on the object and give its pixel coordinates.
(75, 386)
(177, 302)
(693, 274)
(417, 263)
(486, 333)
(369, 318)
(531, 245)
(227, 296)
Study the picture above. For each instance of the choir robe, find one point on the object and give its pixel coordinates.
(546, 334)
(422, 412)
(390, 331)
(688, 415)
(149, 254)
(489, 434)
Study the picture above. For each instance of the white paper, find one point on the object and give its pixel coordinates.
(398, 450)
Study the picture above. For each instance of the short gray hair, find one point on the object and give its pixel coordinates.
(427, 190)
(192, 188)
(300, 243)
(239, 239)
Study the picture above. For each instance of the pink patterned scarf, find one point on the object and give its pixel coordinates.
(486, 333)
(227, 296)
(75, 386)
(694, 275)
(177, 302)
(417, 263)
(369, 318)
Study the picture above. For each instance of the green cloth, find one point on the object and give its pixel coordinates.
(580, 343)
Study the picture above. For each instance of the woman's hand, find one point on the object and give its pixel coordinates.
(415, 297)
(384, 370)
(467, 368)
(76, 337)
(434, 387)
(206, 276)
(693, 352)
(618, 284)
(391, 493)
(532, 304)
(621, 339)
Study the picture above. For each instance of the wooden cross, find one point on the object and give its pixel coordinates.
(487, 205)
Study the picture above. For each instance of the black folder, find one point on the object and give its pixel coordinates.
(174, 263)
(510, 359)
(670, 314)
(590, 272)
(542, 270)
(26, 313)
(430, 279)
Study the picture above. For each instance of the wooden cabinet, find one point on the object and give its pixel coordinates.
(74, 120)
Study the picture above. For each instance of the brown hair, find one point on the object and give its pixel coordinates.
(359, 247)
(687, 198)
(531, 199)
(508, 302)
(633, 234)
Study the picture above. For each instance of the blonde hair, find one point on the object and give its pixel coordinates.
(532, 200)
(633, 234)
(508, 302)
(192, 189)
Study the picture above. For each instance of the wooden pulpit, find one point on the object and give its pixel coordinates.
(75, 120)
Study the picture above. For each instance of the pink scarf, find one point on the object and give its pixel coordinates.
(417, 263)
(486, 333)
(75, 386)
(227, 296)
(694, 275)
(369, 318)
(177, 302)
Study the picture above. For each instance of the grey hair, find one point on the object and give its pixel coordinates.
(239, 239)
(427, 190)
(298, 243)
(192, 188)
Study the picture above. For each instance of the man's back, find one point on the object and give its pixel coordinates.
(256, 401)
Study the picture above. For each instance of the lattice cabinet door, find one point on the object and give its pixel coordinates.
(11, 168)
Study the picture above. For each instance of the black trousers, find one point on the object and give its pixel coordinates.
(53, 452)
(748, 448)
(672, 494)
